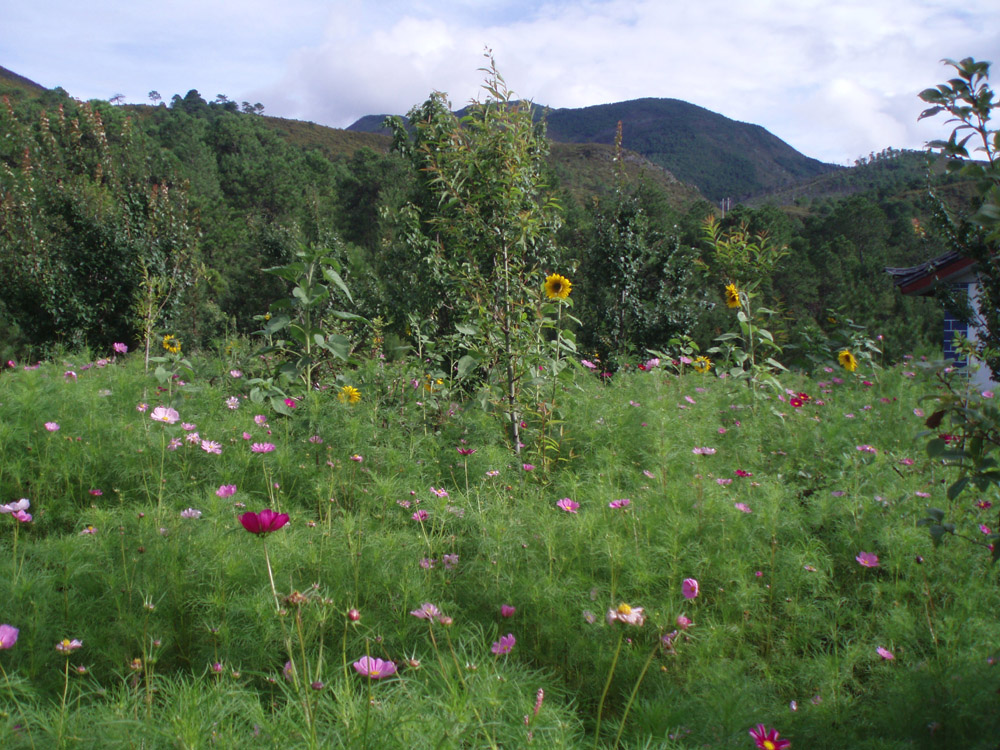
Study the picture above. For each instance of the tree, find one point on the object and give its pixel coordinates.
(154, 97)
(970, 102)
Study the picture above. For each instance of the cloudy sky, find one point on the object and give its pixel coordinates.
(836, 79)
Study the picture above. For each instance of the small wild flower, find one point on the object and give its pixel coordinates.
(504, 645)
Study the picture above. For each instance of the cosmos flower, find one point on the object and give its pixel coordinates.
(264, 522)
(8, 636)
(67, 646)
(165, 414)
(190, 513)
(226, 490)
(262, 447)
(506, 642)
(568, 505)
(374, 668)
(689, 588)
(768, 739)
(626, 614)
(427, 611)
(52, 426)
(885, 653)
(867, 559)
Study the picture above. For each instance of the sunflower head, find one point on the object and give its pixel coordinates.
(557, 287)
(732, 296)
(847, 361)
(349, 395)
(702, 364)
(171, 344)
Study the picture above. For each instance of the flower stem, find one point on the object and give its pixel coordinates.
(604, 693)
(631, 698)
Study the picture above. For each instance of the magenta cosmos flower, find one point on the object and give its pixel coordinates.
(52, 426)
(262, 447)
(507, 611)
(373, 668)
(165, 414)
(768, 739)
(8, 636)
(885, 653)
(689, 588)
(226, 490)
(504, 645)
(264, 522)
(867, 559)
(568, 505)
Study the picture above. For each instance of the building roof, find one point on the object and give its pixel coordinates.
(922, 279)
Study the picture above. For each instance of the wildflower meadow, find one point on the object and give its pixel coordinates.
(698, 566)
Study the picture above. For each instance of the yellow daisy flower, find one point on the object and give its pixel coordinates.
(702, 364)
(557, 287)
(349, 395)
(732, 296)
(847, 361)
(171, 344)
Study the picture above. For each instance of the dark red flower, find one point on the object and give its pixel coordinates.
(264, 522)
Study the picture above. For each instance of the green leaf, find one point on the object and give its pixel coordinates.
(956, 488)
(469, 329)
(466, 364)
(334, 278)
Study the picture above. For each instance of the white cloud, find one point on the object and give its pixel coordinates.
(835, 80)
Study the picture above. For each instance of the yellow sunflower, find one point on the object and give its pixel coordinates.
(847, 361)
(349, 395)
(702, 364)
(171, 344)
(557, 287)
(732, 296)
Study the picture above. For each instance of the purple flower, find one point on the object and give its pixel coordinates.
(22, 516)
(466, 451)
(623, 503)
(439, 492)
(568, 505)
(504, 645)
(226, 490)
(528, 467)
(506, 610)
(262, 447)
(450, 561)
(867, 559)
(120, 348)
(373, 668)
(427, 611)
(264, 522)
(8, 636)
(689, 588)
(210, 446)
(165, 414)
(867, 449)
(420, 515)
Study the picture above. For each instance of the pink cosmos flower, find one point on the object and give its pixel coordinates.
(188, 426)
(165, 414)
(210, 446)
(52, 426)
(22, 504)
(264, 522)
(235, 374)
(67, 646)
(428, 563)
(232, 402)
(742, 507)
(374, 668)
(260, 420)
(528, 467)
(141, 407)
(21, 516)
(683, 622)
(987, 394)
(427, 611)
(88, 529)
(703, 451)
(626, 614)
(885, 653)
(190, 513)
(262, 447)
(420, 515)
(622, 503)
(120, 348)
(226, 490)
(465, 451)
(504, 645)
(741, 473)
(193, 438)
(507, 611)
(568, 505)
(439, 492)
(723, 481)
(689, 588)
(450, 561)
(588, 364)
(767, 739)
(866, 449)
(290, 403)
(69, 375)
(492, 473)
(867, 559)
(174, 444)
(8, 636)
(906, 461)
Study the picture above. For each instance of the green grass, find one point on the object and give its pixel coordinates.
(785, 612)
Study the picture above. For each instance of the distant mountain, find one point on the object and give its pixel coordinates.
(722, 157)
(9, 80)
